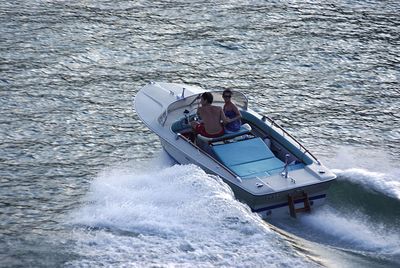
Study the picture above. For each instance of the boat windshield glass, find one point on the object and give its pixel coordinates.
(191, 102)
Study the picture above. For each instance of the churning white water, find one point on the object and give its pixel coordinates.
(171, 216)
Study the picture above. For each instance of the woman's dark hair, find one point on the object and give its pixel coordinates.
(207, 96)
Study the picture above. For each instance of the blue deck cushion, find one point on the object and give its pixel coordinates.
(242, 151)
(247, 157)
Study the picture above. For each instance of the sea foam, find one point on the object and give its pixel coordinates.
(354, 232)
(370, 168)
(374, 171)
(385, 183)
(173, 216)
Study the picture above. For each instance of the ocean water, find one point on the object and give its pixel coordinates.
(84, 183)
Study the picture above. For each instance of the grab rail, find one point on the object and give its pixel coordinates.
(306, 151)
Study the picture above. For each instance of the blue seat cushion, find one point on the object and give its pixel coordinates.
(247, 157)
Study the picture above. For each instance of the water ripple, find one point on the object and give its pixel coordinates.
(329, 72)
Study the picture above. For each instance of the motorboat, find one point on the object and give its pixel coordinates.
(265, 166)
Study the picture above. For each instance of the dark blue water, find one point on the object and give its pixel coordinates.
(84, 183)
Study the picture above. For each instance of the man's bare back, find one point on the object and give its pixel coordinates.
(212, 117)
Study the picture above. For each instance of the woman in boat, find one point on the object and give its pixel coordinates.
(231, 112)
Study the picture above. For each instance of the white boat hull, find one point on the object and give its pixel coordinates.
(262, 187)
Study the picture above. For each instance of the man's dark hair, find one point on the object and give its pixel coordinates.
(207, 96)
(227, 91)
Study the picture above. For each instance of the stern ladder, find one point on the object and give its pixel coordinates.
(292, 198)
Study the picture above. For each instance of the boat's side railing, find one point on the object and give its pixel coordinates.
(208, 155)
(306, 151)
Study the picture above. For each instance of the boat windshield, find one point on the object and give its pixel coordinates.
(191, 102)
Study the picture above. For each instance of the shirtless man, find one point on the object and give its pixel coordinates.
(212, 117)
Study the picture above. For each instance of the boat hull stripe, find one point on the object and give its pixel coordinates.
(286, 204)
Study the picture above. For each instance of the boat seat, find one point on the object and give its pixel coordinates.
(247, 157)
(244, 129)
